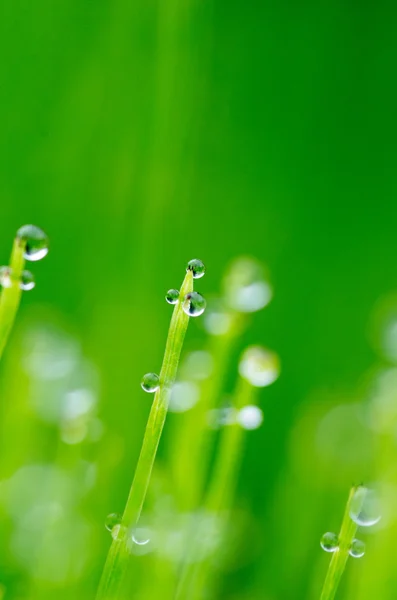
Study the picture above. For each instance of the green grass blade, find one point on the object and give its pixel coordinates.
(339, 558)
(114, 582)
(11, 297)
(192, 444)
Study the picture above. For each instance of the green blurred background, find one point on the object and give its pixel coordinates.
(142, 134)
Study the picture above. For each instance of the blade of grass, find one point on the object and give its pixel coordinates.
(115, 580)
(11, 296)
(339, 558)
(192, 444)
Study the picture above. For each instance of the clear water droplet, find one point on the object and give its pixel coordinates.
(250, 417)
(357, 549)
(6, 277)
(365, 507)
(172, 296)
(184, 395)
(27, 281)
(112, 521)
(141, 538)
(197, 267)
(221, 417)
(150, 382)
(194, 304)
(246, 287)
(329, 542)
(36, 242)
(118, 533)
(217, 319)
(260, 367)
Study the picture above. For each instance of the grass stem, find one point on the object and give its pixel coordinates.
(11, 296)
(114, 581)
(339, 558)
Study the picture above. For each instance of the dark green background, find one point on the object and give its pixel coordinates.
(141, 134)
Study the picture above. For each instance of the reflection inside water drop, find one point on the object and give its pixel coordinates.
(27, 281)
(357, 549)
(150, 383)
(329, 542)
(197, 267)
(35, 240)
(194, 304)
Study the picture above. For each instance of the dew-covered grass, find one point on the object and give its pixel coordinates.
(138, 135)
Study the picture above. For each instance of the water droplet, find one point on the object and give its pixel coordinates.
(194, 304)
(113, 524)
(172, 296)
(197, 266)
(329, 542)
(221, 417)
(246, 287)
(217, 320)
(357, 549)
(142, 542)
(250, 417)
(27, 281)
(112, 521)
(6, 277)
(118, 533)
(150, 382)
(365, 507)
(184, 395)
(260, 367)
(36, 242)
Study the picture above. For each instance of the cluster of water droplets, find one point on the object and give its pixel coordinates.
(35, 243)
(193, 304)
(139, 538)
(8, 278)
(330, 543)
(364, 510)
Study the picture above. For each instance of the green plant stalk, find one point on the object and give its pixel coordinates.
(11, 297)
(192, 444)
(115, 574)
(219, 498)
(339, 558)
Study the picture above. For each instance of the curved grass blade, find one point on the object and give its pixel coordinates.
(339, 558)
(114, 583)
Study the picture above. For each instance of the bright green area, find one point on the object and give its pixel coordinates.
(140, 135)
